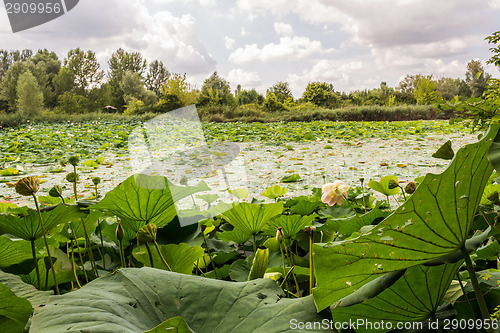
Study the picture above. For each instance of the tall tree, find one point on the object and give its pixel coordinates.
(425, 91)
(321, 94)
(282, 91)
(85, 69)
(48, 65)
(215, 91)
(120, 62)
(133, 88)
(29, 95)
(156, 77)
(476, 78)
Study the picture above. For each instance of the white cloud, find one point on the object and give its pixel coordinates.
(229, 42)
(283, 29)
(288, 47)
(246, 79)
(494, 4)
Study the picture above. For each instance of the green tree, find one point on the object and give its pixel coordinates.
(425, 91)
(476, 78)
(64, 81)
(215, 91)
(29, 95)
(282, 91)
(133, 88)
(249, 97)
(176, 93)
(85, 69)
(272, 103)
(72, 103)
(321, 94)
(121, 62)
(156, 77)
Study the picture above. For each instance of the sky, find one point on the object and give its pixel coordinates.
(353, 44)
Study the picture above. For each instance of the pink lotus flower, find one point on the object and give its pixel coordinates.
(334, 193)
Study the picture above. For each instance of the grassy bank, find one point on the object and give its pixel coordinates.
(251, 113)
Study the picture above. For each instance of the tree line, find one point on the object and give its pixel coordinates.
(31, 83)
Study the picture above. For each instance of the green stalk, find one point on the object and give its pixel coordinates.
(293, 274)
(477, 290)
(210, 254)
(466, 298)
(150, 255)
(46, 244)
(254, 244)
(102, 247)
(89, 246)
(355, 212)
(311, 263)
(285, 275)
(33, 252)
(163, 258)
(74, 265)
(122, 254)
(79, 252)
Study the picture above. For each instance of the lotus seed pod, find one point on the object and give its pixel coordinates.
(119, 232)
(74, 160)
(28, 186)
(393, 184)
(72, 177)
(280, 235)
(410, 187)
(96, 180)
(56, 191)
(147, 233)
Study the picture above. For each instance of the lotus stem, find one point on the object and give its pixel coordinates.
(465, 295)
(161, 256)
(285, 275)
(355, 212)
(210, 253)
(87, 244)
(477, 290)
(79, 252)
(122, 255)
(102, 245)
(74, 266)
(290, 262)
(33, 252)
(311, 263)
(46, 244)
(150, 255)
(254, 244)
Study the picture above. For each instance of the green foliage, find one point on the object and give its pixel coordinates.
(137, 300)
(156, 77)
(251, 218)
(84, 68)
(435, 233)
(215, 91)
(72, 103)
(272, 104)
(133, 87)
(476, 78)
(426, 90)
(14, 311)
(282, 91)
(321, 94)
(249, 97)
(176, 93)
(29, 95)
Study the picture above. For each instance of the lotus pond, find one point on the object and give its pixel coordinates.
(89, 245)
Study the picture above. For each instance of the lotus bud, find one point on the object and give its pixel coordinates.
(72, 177)
(56, 191)
(147, 233)
(361, 180)
(119, 232)
(493, 197)
(280, 235)
(28, 186)
(74, 160)
(410, 187)
(96, 180)
(393, 184)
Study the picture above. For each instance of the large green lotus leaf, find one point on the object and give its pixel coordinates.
(252, 218)
(346, 226)
(13, 252)
(291, 224)
(28, 227)
(383, 185)
(91, 221)
(414, 297)
(432, 223)
(136, 300)
(17, 286)
(235, 235)
(180, 257)
(146, 199)
(14, 311)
